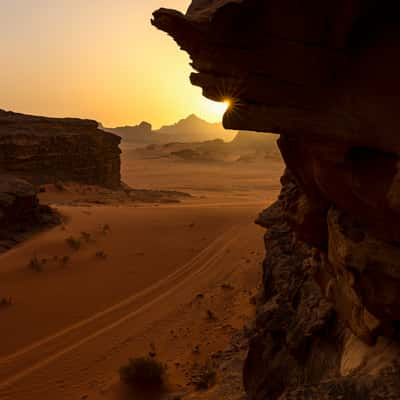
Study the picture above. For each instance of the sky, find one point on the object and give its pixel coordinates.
(97, 59)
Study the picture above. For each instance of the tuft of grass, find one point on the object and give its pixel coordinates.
(101, 254)
(106, 229)
(86, 237)
(74, 243)
(6, 301)
(227, 286)
(143, 372)
(211, 316)
(65, 260)
(36, 264)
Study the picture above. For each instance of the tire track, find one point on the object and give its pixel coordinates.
(196, 266)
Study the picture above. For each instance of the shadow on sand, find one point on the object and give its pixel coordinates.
(133, 393)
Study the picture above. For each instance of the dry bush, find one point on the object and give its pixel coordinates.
(36, 264)
(143, 372)
(74, 243)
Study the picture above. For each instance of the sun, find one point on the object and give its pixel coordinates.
(218, 107)
(212, 111)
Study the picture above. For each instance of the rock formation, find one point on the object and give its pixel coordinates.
(323, 75)
(20, 211)
(46, 150)
(192, 129)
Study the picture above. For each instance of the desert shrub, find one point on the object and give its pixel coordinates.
(143, 372)
(211, 316)
(101, 254)
(6, 301)
(87, 237)
(206, 379)
(74, 243)
(106, 229)
(36, 264)
(227, 286)
(65, 260)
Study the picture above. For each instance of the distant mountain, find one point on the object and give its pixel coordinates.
(187, 130)
(194, 129)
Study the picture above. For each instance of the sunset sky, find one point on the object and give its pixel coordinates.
(98, 59)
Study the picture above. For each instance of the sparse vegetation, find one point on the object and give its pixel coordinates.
(5, 301)
(101, 254)
(227, 286)
(65, 260)
(106, 229)
(86, 237)
(152, 352)
(36, 264)
(74, 243)
(211, 316)
(143, 372)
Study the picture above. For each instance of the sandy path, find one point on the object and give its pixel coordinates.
(72, 327)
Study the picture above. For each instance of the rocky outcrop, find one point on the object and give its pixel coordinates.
(324, 75)
(46, 150)
(20, 212)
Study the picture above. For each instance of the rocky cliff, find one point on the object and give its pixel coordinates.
(20, 212)
(45, 150)
(323, 75)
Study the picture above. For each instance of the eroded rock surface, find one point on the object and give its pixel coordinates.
(323, 75)
(20, 212)
(46, 150)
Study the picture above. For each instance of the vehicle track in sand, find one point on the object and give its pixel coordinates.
(40, 354)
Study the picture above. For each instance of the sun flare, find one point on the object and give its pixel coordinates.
(218, 108)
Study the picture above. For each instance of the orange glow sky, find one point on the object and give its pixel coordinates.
(98, 59)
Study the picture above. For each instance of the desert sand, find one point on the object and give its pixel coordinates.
(143, 279)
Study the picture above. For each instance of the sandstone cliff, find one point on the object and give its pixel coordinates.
(45, 150)
(20, 212)
(323, 75)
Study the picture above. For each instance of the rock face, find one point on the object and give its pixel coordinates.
(45, 150)
(20, 211)
(324, 75)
